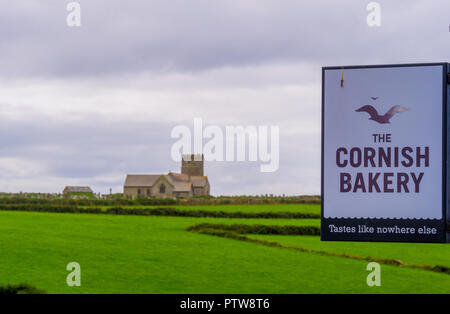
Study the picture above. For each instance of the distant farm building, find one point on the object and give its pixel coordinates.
(78, 190)
(190, 182)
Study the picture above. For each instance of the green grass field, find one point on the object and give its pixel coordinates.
(151, 254)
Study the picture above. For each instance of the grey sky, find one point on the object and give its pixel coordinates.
(88, 105)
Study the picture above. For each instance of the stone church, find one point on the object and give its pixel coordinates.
(190, 182)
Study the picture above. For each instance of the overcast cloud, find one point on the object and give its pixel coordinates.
(88, 105)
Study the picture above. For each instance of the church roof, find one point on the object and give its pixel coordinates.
(180, 181)
(138, 180)
(178, 176)
(182, 186)
(78, 189)
(199, 181)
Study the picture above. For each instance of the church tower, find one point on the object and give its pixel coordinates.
(192, 164)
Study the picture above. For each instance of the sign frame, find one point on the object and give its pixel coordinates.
(443, 224)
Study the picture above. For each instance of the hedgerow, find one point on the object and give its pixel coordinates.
(124, 201)
(89, 202)
(258, 229)
(162, 211)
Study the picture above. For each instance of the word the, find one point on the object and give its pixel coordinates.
(382, 138)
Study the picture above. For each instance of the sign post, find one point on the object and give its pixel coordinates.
(385, 153)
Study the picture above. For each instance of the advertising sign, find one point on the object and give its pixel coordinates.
(384, 153)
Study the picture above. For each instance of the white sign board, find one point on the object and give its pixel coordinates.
(383, 153)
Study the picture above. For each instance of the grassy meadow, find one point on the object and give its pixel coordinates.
(154, 254)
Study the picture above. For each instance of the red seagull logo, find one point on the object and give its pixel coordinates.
(381, 119)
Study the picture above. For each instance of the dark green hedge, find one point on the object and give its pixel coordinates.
(258, 229)
(123, 201)
(166, 211)
(89, 202)
(207, 213)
